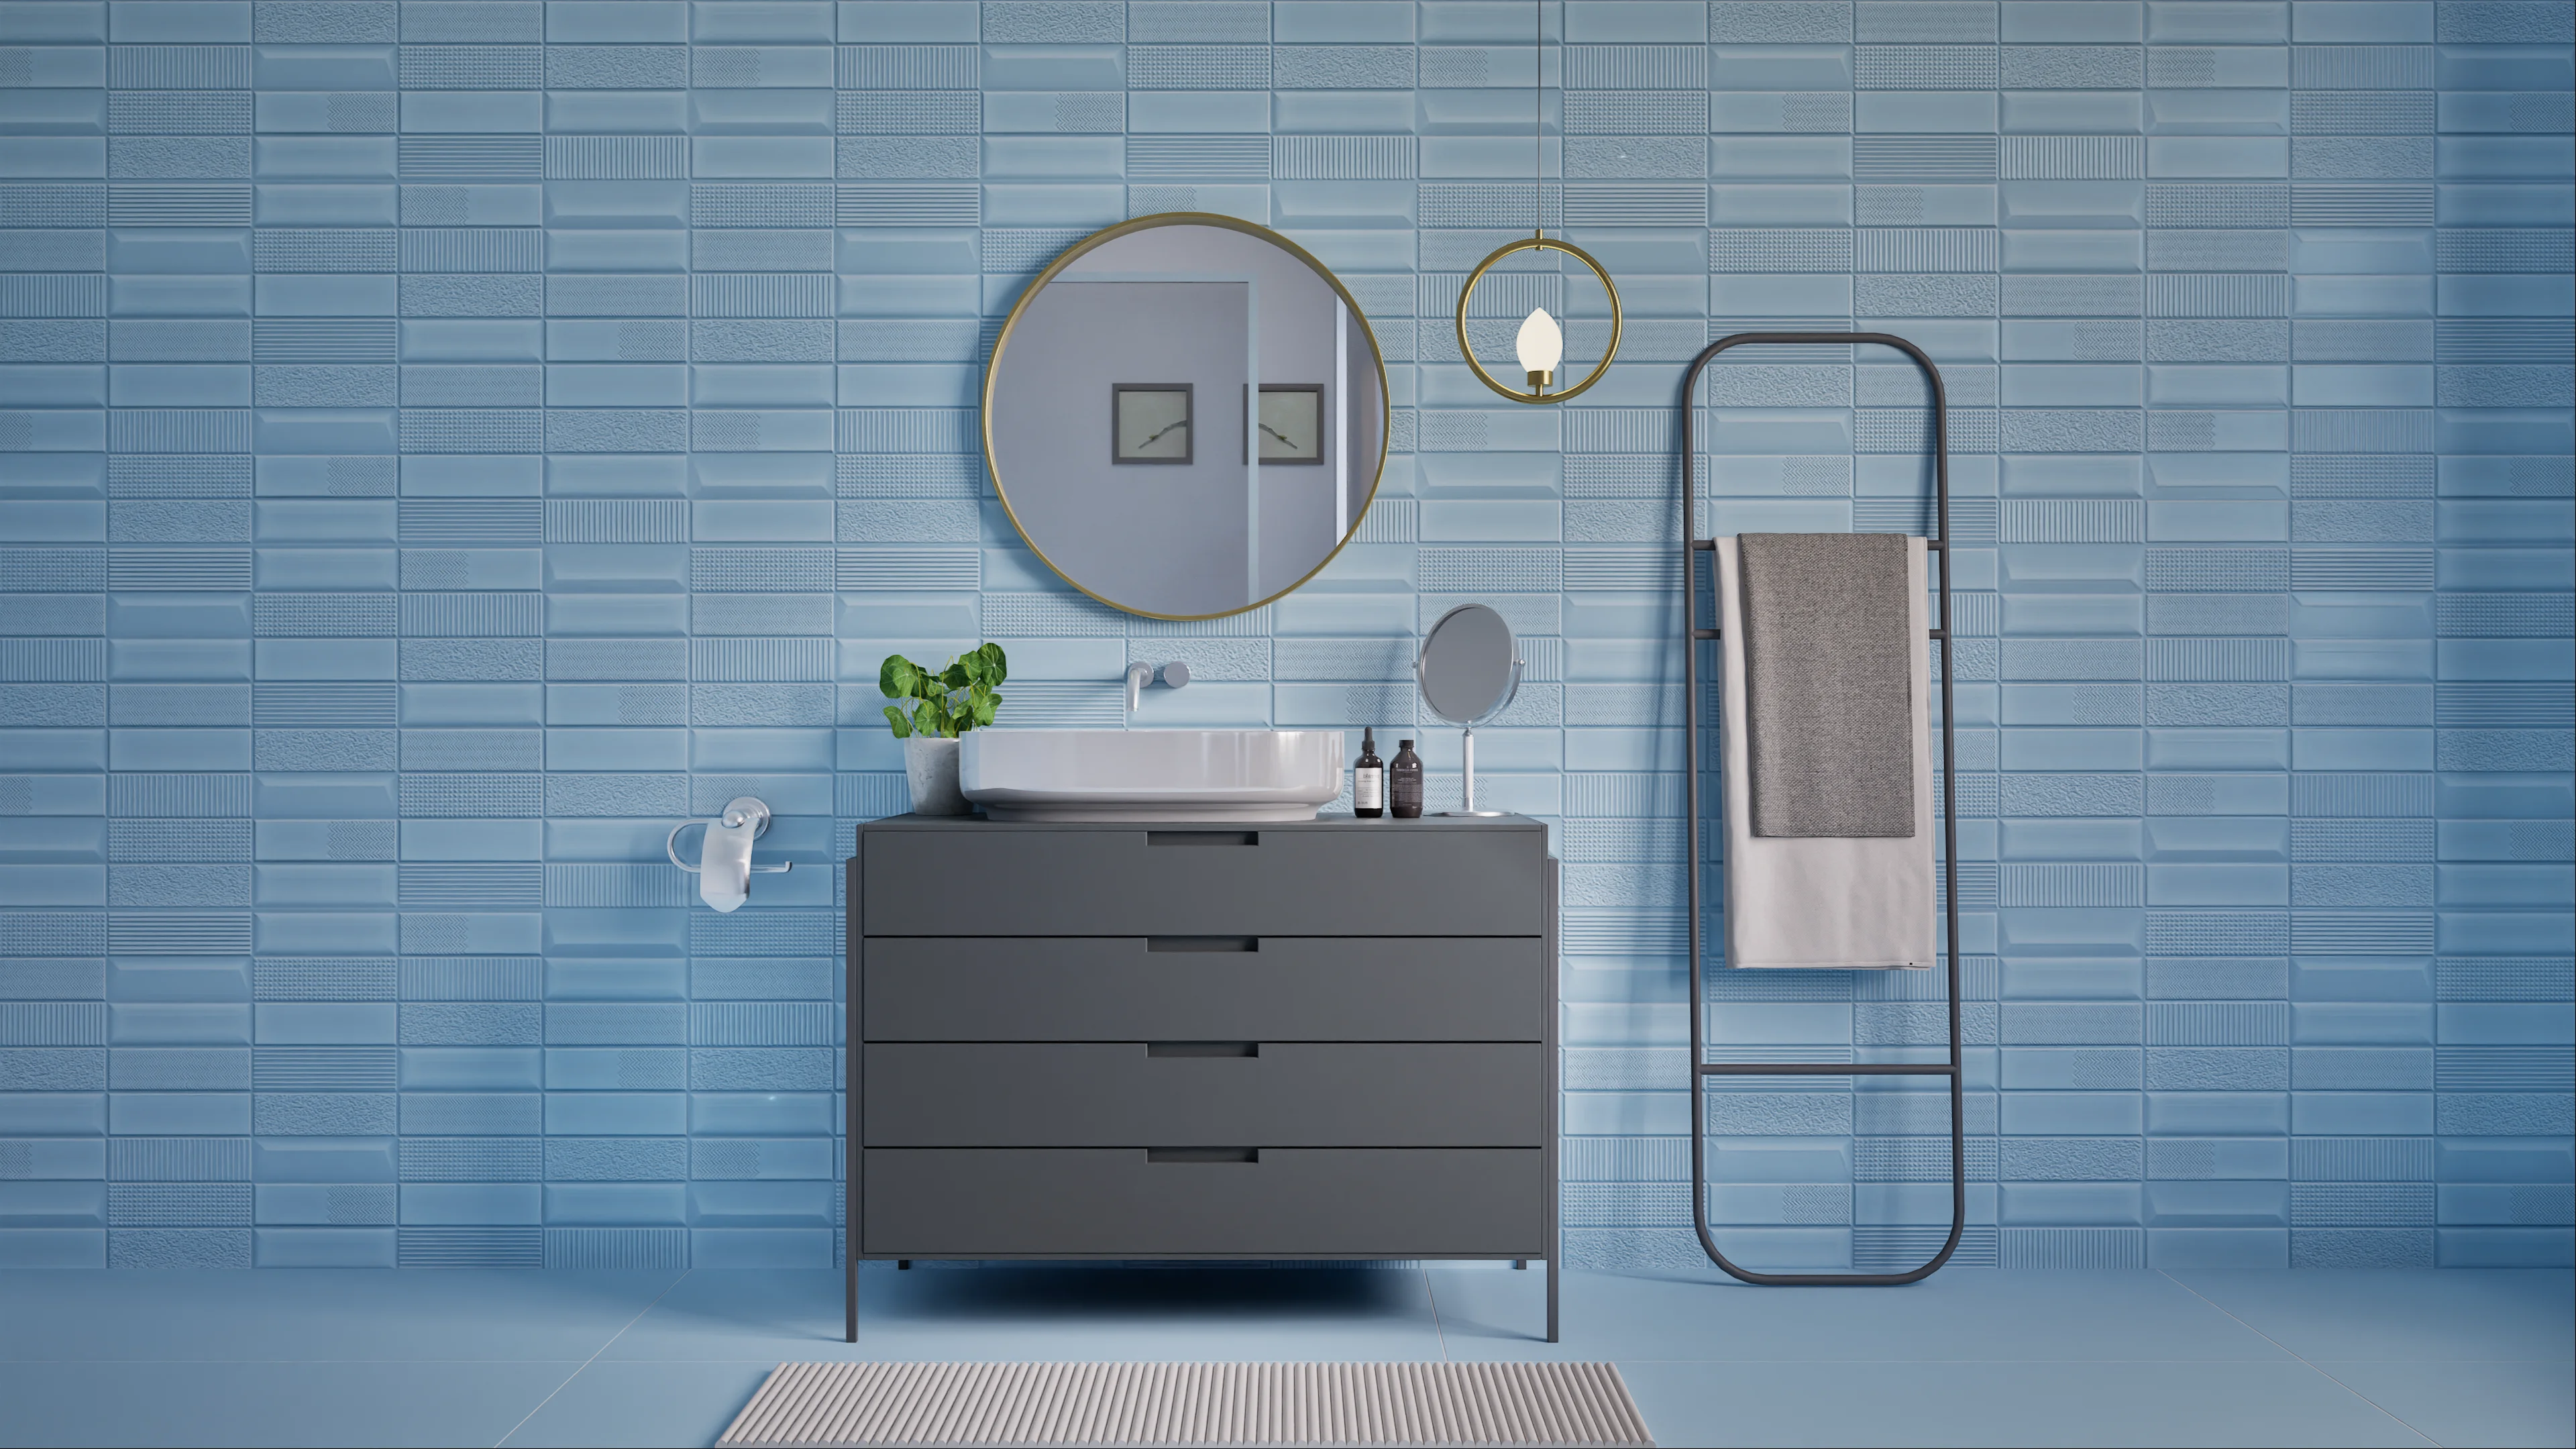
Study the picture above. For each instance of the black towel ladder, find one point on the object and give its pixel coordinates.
(1693, 546)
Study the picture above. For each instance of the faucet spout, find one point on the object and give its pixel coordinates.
(1139, 675)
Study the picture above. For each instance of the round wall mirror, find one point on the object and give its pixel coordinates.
(1469, 671)
(1185, 415)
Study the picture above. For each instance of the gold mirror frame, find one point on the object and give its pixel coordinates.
(1540, 242)
(1107, 234)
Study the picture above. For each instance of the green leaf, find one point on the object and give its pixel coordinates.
(898, 677)
(983, 704)
(902, 726)
(997, 667)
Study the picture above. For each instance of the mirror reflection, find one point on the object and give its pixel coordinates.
(1185, 416)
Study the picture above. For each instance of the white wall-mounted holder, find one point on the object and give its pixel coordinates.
(724, 869)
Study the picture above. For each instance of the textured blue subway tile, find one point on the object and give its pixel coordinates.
(449, 1204)
(470, 1068)
(325, 885)
(2056, 1203)
(53, 1204)
(606, 1114)
(2501, 1160)
(2362, 1114)
(620, 1203)
(483, 704)
(316, 1204)
(760, 1204)
(605, 1069)
(314, 1023)
(616, 614)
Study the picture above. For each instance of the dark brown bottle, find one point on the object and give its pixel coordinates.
(1404, 783)
(1368, 779)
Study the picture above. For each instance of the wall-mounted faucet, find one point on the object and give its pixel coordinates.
(724, 869)
(1141, 674)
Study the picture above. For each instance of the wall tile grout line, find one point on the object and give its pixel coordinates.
(594, 1357)
(2302, 1358)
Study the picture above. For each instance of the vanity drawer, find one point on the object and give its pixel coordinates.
(1131, 1094)
(1118, 1202)
(1403, 880)
(1134, 988)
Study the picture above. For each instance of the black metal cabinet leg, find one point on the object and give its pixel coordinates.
(850, 1301)
(1551, 1300)
(903, 1265)
(1519, 1263)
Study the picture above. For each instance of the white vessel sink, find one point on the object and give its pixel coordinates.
(1151, 774)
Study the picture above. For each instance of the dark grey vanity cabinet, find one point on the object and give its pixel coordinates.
(1325, 1039)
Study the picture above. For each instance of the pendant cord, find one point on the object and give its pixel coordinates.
(1538, 117)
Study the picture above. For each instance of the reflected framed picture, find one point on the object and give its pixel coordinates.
(1150, 422)
(1292, 422)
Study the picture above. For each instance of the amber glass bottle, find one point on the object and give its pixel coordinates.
(1404, 783)
(1368, 779)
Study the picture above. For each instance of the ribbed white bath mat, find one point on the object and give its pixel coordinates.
(1052, 1404)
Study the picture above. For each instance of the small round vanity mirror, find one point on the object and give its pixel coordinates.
(1185, 415)
(1469, 671)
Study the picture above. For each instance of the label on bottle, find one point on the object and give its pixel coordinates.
(1405, 792)
(1368, 789)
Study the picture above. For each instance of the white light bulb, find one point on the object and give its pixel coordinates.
(1541, 343)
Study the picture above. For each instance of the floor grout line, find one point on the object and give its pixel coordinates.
(594, 1357)
(2302, 1358)
(1437, 1332)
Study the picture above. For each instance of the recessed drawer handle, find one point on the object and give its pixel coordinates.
(1202, 1048)
(1202, 943)
(1203, 1154)
(1202, 837)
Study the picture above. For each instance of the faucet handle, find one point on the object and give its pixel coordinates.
(1175, 674)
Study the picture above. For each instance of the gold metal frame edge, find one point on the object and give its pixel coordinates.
(1540, 243)
(1073, 253)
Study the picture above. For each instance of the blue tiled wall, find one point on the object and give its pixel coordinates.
(449, 441)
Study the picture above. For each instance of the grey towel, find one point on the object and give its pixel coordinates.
(1829, 680)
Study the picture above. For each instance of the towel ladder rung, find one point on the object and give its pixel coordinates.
(1714, 634)
(1827, 1069)
(1709, 545)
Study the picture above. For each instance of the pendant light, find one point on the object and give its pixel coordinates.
(1541, 341)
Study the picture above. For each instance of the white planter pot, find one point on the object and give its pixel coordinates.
(930, 764)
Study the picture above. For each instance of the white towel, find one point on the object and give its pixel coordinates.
(1835, 903)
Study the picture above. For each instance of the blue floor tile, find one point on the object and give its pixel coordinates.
(270, 1403)
(2411, 1314)
(1043, 1312)
(2496, 1404)
(2009, 1316)
(289, 1315)
(645, 1404)
(1993, 1403)
(670, 1358)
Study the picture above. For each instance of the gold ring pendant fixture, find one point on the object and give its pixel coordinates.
(1541, 343)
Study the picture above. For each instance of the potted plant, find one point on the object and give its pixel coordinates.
(942, 706)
